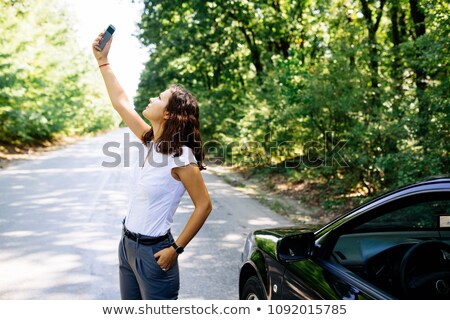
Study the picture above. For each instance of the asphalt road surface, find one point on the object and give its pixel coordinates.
(60, 225)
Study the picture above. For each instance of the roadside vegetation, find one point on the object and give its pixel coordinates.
(49, 89)
(335, 101)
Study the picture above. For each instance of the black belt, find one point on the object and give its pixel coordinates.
(145, 240)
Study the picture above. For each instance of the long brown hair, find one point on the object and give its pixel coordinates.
(182, 127)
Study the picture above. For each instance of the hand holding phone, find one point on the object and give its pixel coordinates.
(105, 38)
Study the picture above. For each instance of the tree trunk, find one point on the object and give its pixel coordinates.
(396, 66)
(424, 110)
(372, 28)
(282, 44)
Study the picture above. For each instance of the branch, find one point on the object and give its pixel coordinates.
(367, 13)
(380, 14)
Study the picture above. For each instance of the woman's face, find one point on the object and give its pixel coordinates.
(156, 109)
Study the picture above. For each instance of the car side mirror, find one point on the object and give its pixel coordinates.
(295, 247)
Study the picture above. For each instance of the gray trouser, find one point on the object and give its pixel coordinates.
(140, 275)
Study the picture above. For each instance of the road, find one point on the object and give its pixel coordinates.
(60, 224)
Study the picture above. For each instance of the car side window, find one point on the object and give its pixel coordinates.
(424, 215)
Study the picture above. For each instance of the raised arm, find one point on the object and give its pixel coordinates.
(117, 95)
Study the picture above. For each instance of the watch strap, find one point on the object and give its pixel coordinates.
(178, 249)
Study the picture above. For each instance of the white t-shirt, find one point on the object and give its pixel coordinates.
(155, 193)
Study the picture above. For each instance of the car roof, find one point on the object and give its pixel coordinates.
(421, 184)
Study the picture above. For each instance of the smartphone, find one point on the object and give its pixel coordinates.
(106, 36)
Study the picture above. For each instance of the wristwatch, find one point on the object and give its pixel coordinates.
(178, 249)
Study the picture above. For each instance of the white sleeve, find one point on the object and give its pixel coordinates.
(185, 158)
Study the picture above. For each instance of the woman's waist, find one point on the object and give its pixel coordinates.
(145, 239)
(152, 222)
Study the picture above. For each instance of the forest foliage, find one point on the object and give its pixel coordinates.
(349, 95)
(48, 86)
(352, 95)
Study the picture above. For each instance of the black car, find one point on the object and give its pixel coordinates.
(396, 246)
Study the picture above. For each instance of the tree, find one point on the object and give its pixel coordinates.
(47, 86)
(281, 81)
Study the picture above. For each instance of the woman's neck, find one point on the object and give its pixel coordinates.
(157, 131)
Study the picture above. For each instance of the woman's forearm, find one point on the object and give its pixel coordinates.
(117, 95)
(194, 224)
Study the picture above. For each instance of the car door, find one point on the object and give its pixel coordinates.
(366, 254)
(321, 279)
(404, 217)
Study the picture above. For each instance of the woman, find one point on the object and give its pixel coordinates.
(148, 267)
